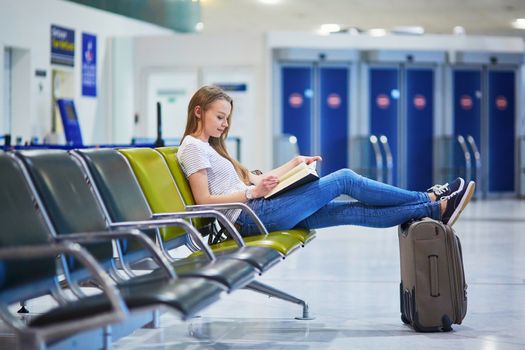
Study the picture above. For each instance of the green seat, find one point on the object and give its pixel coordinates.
(160, 191)
(163, 196)
(122, 197)
(283, 243)
(170, 156)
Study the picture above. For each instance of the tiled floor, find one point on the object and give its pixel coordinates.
(350, 278)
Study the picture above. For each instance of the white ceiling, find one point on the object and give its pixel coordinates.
(478, 17)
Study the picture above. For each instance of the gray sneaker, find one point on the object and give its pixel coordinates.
(456, 202)
(447, 189)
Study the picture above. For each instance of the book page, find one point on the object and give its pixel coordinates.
(292, 171)
(294, 175)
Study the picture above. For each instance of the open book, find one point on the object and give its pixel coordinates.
(295, 177)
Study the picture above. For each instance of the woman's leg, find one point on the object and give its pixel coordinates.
(355, 213)
(373, 192)
(287, 210)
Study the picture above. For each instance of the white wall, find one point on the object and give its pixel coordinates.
(25, 24)
(3, 82)
(210, 52)
(21, 84)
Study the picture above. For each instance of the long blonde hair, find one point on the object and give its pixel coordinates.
(204, 97)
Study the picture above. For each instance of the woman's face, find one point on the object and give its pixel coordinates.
(215, 119)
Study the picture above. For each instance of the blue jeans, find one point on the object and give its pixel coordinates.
(313, 206)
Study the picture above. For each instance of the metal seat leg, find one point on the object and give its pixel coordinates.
(273, 292)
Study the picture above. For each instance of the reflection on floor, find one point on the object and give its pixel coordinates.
(350, 277)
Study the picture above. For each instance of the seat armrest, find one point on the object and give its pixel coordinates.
(224, 206)
(101, 236)
(118, 306)
(167, 221)
(209, 213)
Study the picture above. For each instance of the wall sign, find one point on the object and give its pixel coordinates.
(62, 46)
(89, 64)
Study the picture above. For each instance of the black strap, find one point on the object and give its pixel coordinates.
(217, 234)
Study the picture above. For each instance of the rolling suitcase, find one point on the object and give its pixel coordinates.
(433, 292)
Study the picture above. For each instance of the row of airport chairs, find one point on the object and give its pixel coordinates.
(92, 216)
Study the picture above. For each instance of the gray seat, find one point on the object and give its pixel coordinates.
(28, 264)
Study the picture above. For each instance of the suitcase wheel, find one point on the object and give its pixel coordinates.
(447, 323)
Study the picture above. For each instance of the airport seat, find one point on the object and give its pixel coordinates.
(163, 197)
(123, 201)
(162, 194)
(170, 156)
(72, 207)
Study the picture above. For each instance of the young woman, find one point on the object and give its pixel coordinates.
(215, 177)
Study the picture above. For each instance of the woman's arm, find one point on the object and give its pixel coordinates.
(199, 188)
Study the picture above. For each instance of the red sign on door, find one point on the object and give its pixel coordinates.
(382, 101)
(420, 101)
(465, 101)
(501, 102)
(295, 100)
(333, 100)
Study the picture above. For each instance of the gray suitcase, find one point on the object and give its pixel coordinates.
(433, 292)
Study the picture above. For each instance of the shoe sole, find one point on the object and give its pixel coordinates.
(464, 201)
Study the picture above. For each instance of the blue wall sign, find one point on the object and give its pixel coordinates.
(240, 87)
(62, 46)
(89, 65)
(70, 121)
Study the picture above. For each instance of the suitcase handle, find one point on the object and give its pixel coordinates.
(434, 276)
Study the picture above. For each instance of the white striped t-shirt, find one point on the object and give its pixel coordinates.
(194, 155)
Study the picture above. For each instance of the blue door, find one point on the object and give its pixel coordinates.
(333, 118)
(467, 113)
(501, 130)
(296, 105)
(467, 103)
(419, 128)
(383, 107)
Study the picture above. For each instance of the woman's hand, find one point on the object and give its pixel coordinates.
(267, 183)
(308, 159)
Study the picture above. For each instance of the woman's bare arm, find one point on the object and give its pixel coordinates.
(199, 187)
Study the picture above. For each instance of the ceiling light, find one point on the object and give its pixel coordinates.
(459, 30)
(354, 31)
(270, 2)
(408, 30)
(376, 32)
(519, 23)
(328, 28)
